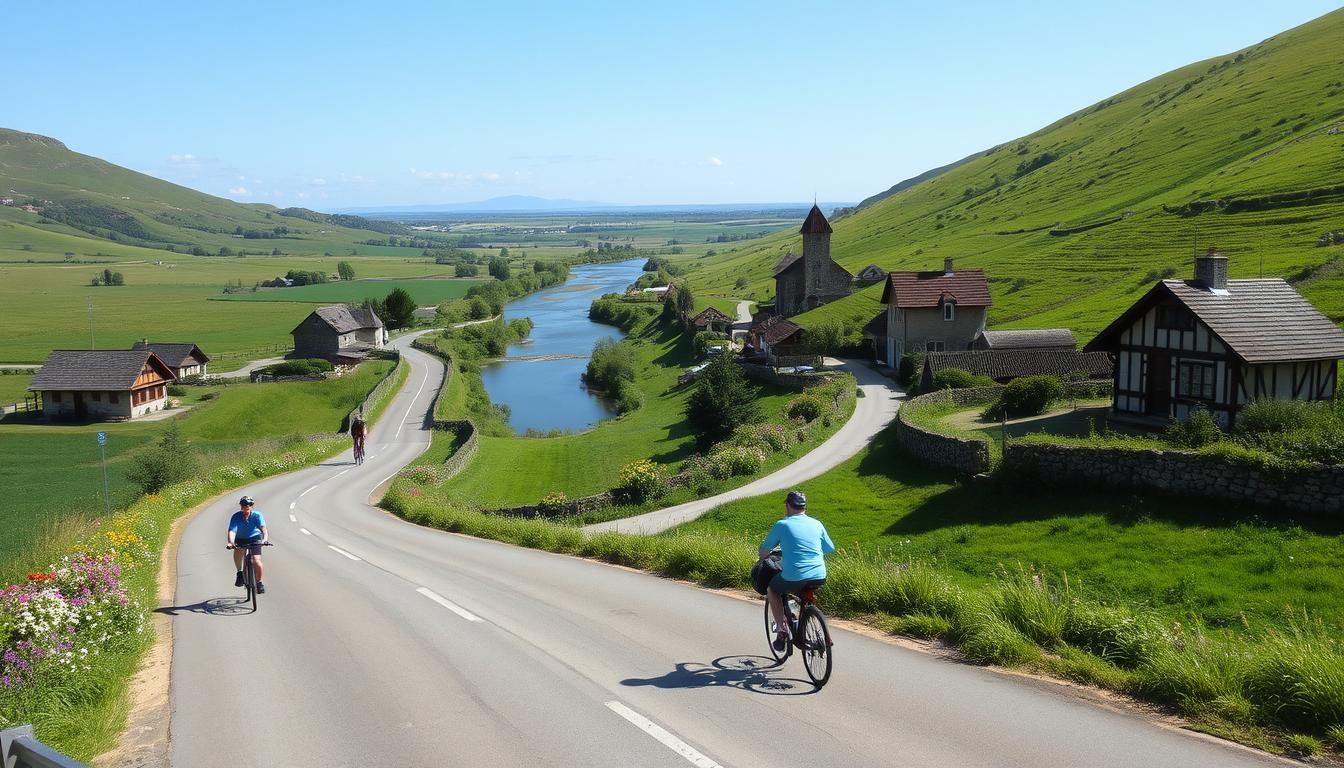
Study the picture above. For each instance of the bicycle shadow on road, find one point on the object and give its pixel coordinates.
(215, 606)
(757, 674)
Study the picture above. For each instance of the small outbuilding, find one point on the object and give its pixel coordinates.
(186, 359)
(110, 384)
(1218, 344)
(1036, 338)
(711, 319)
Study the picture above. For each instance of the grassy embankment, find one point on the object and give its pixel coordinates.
(1251, 123)
(60, 467)
(81, 711)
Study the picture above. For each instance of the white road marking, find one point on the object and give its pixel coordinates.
(340, 551)
(389, 477)
(292, 504)
(305, 532)
(338, 474)
(446, 603)
(305, 493)
(293, 519)
(666, 739)
(409, 407)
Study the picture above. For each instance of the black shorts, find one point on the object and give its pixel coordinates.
(251, 546)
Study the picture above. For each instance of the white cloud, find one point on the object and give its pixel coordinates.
(716, 162)
(186, 158)
(239, 192)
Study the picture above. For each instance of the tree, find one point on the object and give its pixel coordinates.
(741, 283)
(499, 268)
(685, 301)
(722, 401)
(478, 308)
(171, 461)
(400, 308)
(117, 279)
(346, 271)
(466, 270)
(825, 337)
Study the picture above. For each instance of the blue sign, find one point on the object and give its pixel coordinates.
(102, 438)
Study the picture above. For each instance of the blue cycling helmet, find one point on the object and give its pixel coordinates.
(796, 499)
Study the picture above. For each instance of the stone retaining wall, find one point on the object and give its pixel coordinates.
(374, 393)
(466, 451)
(1318, 489)
(959, 454)
(568, 509)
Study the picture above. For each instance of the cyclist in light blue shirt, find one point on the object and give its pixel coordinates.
(247, 533)
(803, 543)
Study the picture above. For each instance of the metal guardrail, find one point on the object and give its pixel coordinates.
(19, 748)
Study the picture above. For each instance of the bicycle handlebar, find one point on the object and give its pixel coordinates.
(236, 546)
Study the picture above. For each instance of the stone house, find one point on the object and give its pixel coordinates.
(711, 319)
(110, 384)
(930, 312)
(807, 281)
(869, 275)
(1217, 343)
(339, 333)
(184, 358)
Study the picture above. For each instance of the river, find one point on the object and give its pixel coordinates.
(547, 394)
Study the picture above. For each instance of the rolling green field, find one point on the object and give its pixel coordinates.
(59, 469)
(13, 387)
(1190, 558)
(426, 293)
(1251, 123)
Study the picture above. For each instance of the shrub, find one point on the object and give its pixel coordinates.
(957, 378)
(767, 437)
(1267, 416)
(168, 462)
(722, 400)
(553, 503)
(806, 407)
(739, 459)
(639, 481)
(1027, 396)
(912, 365)
(1198, 430)
(175, 390)
(299, 367)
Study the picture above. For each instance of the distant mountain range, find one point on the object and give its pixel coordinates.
(528, 204)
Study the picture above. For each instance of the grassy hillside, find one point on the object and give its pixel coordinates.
(81, 195)
(1072, 222)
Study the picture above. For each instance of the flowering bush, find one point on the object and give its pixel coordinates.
(230, 473)
(640, 480)
(806, 407)
(55, 621)
(553, 503)
(738, 459)
(767, 437)
(423, 475)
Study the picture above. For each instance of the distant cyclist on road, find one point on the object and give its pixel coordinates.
(247, 533)
(358, 431)
(803, 543)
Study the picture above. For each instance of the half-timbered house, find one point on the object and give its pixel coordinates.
(112, 384)
(1217, 343)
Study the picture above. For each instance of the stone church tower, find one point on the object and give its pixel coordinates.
(808, 281)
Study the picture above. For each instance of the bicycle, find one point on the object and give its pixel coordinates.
(249, 572)
(808, 632)
(359, 453)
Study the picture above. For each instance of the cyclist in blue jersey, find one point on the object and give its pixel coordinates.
(247, 533)
(803, 543)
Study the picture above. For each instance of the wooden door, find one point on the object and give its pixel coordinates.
(1159, 385)
(81, 410)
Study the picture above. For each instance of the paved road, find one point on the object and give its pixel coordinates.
(873, 412)
(382, 643)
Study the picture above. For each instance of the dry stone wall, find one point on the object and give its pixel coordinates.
(962, 455)
(1317, 489)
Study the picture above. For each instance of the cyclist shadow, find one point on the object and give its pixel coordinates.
(215, 606)
(757, 674)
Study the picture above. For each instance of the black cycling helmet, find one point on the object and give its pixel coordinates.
(796, 499)
(247, 500)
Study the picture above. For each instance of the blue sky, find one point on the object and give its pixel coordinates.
(367, 104)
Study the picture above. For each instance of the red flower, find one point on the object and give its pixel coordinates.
(41, 576)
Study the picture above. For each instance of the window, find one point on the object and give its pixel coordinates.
(1175, 319)
(949, 310)
(1196, 381)
(933, 346)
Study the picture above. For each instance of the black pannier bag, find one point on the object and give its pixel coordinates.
(763, 571)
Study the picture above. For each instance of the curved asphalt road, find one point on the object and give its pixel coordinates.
(382, 643)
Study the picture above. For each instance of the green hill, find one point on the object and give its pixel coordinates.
(86, 197)
(1245, 151)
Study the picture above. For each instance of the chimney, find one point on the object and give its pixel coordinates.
(1211, 270)
(947, 265)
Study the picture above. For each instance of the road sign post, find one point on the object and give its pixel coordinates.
(102, 448)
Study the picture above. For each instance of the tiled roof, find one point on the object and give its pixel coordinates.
(343, 319)
(1011, 364)
(788, 261)
(1262, 320)
(174, 353)
(95, 369)
(1028, 339)
(780, 330)
(968, 288)
(816, 223)
(710, 315)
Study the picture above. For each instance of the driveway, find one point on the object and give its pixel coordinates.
(873, 412)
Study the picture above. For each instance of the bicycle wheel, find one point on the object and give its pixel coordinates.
(250, 578)
(790, 609)
(816, 645)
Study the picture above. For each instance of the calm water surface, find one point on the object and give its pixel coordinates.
(547, 394)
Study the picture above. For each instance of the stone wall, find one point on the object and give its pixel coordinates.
(1318, 489)
(374, 393)
(568, 509)
(959, 454)
(465, 452)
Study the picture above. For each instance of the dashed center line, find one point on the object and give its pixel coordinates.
(340, 551)
(666, 739)
(293, 504)
(409, 407)
(305, 493)
(293, 519)
(305, 532)
(449, 604)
